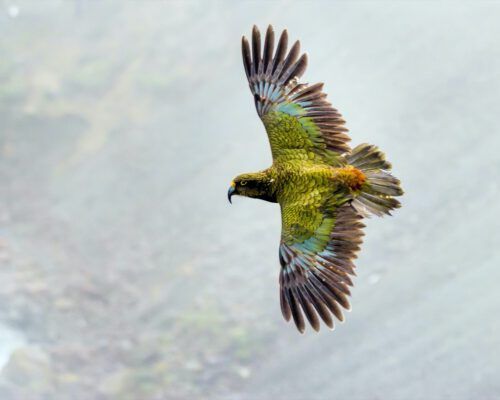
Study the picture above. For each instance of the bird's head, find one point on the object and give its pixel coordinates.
(256, 185)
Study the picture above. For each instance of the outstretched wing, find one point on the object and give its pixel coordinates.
(316, 252)
(298, 119)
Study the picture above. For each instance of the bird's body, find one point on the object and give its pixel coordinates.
(324, 188)
(305, 184)
(295, 178)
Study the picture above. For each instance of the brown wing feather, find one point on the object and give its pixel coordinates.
(274, 82)
(317, 284)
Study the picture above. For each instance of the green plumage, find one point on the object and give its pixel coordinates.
(322, 186)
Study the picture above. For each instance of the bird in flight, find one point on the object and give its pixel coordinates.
(324, 188)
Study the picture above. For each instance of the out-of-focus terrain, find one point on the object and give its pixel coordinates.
(124, 272)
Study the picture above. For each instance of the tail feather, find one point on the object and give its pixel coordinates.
(378, 192)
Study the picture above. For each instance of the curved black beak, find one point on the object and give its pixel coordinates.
(230, 192)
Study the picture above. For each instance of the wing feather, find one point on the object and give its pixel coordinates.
(316, 272)
(268, 48)
(247, 57)
(297, 116)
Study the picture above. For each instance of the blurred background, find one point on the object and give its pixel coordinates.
(125, 273)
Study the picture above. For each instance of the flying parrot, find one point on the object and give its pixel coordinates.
(324, 188)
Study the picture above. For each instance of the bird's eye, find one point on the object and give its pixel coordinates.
(243, 183)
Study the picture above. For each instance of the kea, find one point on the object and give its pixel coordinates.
(324, 188)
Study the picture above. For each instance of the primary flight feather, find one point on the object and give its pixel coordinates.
(323, 187)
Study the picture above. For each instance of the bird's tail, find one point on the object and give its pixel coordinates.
(378, 192)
